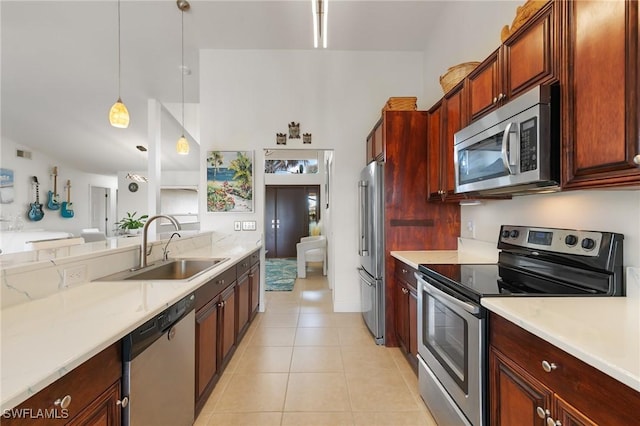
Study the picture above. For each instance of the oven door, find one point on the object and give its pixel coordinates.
(451, 343)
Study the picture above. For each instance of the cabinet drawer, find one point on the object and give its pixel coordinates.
(255, 257)
(581, 384)
(243, 266)
(406, 273)
(83, 384)
(214, 287)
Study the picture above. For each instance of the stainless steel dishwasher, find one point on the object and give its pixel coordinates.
(159, 368)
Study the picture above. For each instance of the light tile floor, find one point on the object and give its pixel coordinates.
(302, 364)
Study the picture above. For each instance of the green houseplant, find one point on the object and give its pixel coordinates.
(130, 222)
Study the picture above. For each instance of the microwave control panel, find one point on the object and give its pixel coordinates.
(529, 145)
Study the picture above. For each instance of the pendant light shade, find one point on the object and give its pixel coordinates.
(119, 114)
(182, 146)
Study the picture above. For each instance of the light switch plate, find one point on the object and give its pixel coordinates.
(249, 225)
(236, 225)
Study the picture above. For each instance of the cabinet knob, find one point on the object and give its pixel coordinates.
(551, 422)
(404, 271)
(63, 402)
(495, 99)
(542, 413)
(501, 96)
(548, 366)
(636, 159)
(123, 402)
(404, 290)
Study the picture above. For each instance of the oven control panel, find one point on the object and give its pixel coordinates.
(569, 241)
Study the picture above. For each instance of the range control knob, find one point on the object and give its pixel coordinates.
(588, 244)
(505, 233)
(571, 240)
(515, 233)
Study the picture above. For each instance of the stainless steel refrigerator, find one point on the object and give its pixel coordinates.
(371, 247)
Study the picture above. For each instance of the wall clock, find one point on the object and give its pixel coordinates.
(133, 187)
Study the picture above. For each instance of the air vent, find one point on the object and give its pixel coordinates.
(23, 154)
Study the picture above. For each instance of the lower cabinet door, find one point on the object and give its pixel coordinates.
(243, 304)
(567, 415)
(227, 324)
(254, 280)
(516, 397)
(103, 411)
(206, 348)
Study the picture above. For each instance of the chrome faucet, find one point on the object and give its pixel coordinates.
(143, 249)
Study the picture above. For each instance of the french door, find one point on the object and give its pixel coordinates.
(288, 213)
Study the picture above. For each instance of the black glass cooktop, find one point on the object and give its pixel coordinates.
(480, 280)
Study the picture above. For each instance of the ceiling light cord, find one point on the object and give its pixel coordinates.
(118, 114)
(182, 146)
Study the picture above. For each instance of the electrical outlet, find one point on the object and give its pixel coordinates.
(74, 275)
(471, 228)
(236, 225)
(249, 225)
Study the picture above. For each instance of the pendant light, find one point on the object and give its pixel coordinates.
(319, 10)
(182, 146)
(118, 114)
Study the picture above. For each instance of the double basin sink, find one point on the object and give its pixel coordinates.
(172, 269)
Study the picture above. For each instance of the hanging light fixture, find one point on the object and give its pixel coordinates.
(182, 146)
(319, 9)
(118, 114)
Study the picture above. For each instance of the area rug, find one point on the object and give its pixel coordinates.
(280, 274)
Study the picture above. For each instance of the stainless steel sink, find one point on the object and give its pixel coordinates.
(173, 269)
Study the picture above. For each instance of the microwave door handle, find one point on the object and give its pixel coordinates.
(506, 160)
(363, 242)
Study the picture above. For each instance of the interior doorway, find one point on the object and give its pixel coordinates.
(289, 212)
(100, 204)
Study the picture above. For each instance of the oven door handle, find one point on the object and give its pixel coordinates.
(444, 297)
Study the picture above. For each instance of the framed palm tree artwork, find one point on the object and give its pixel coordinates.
(230, 181)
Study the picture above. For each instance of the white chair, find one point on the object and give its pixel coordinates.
(311, 249)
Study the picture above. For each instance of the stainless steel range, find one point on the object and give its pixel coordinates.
(452, 327)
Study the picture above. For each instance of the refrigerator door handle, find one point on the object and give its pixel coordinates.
(363, 240)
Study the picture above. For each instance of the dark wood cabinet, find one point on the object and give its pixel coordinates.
(406, 311)
(215, 332)
(532, 382)
(411, 222)
(376, 142)
(445, 119)
(206, 351)
(254, 284)
(527, 58)
(600, 104)
(243, 297)
(92, 391)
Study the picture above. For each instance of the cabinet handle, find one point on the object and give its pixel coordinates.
(123, 402)
(404, 290)
(542, 413)
(220, 281)
(548, 366)
(551, 422)
(63, 402)
(636, 159)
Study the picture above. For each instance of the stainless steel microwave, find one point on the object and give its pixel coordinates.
(514, 149)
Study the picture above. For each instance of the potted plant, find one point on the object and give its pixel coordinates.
(130, 223)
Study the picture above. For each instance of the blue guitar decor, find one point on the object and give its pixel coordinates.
(35, 209)
(67, 206)
(53, 203)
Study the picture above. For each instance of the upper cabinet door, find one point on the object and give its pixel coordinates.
(483, 85)
(531, 54)
(600, 96)
(527, 58)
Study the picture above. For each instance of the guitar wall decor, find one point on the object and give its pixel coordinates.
(35, 212)
(67, 206)
(53, 203)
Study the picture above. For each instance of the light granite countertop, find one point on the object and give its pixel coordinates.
(45, 338)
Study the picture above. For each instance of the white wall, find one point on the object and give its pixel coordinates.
(248, 96)
(41, 166)
(468, 31)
